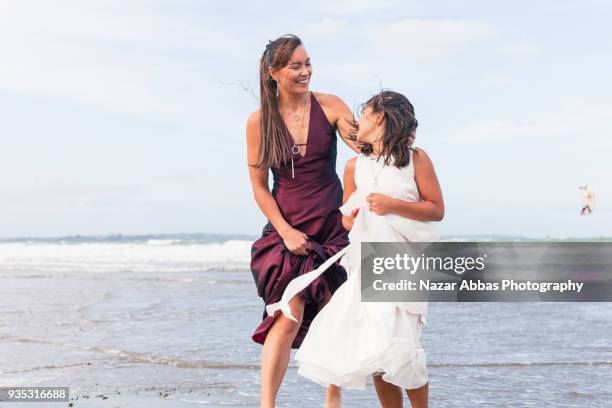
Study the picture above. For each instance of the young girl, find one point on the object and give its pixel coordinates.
(391, 192)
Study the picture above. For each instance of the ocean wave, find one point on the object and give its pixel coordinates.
(162, 256)
(160, 359)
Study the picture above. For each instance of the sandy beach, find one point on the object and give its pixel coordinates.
(168, 324)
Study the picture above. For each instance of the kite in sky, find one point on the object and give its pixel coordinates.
(588, 200)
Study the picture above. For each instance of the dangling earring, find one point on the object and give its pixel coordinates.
(277, 88)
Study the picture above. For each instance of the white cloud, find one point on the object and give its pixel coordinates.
(415, 39)
(499, 81)
(388, 51)
(520, 49)
(324, 28)
(116, 58)
(582, 119)
(426, 39)
(351, 6)
(123, 57)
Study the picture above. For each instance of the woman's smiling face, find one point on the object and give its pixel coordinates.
(295, 76)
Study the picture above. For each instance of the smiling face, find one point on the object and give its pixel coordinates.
(370, 127)
(294, 77)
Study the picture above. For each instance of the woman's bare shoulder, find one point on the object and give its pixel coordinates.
(326, 99)
(254, 118)
(333, 106)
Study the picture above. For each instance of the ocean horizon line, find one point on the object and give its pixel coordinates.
(211, 237)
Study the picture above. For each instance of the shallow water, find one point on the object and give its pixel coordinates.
(156, 326)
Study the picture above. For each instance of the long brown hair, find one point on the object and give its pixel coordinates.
(274, 146)
(400, 124)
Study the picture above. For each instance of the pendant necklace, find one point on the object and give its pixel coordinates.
(376, 176)
(295, 148)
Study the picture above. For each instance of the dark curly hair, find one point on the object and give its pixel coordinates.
(400, 124)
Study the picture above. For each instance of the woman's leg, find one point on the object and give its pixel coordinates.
(277, 351)
(389, 395)
(333, 395)
(419, 396)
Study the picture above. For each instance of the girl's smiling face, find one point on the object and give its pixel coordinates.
(295, 76)
(370, 127)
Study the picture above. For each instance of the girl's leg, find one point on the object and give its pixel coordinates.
(419, 396)
(389, 395)
(333, 396)
(277, 351)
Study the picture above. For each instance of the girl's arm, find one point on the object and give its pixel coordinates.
(349, 188)
(294, 240)
(431, 206)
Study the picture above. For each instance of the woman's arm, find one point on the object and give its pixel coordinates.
(340, 117)
(431, 206)
(345, 123)
(295, 241)
(349, 188)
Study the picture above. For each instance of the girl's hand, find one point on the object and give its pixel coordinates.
(379, 203)
(295, 241)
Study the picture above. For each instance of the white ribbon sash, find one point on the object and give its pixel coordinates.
(300, 283)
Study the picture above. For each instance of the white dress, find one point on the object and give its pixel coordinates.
(349, 339)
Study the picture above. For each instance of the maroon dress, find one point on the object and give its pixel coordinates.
(309, 202)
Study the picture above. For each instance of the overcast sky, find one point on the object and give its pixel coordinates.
(129, 116)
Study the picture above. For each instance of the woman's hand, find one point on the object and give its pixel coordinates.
(295, 241)
(348, 221)
(379, 203)
(411, 138)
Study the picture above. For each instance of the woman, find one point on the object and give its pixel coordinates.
(293, 133)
